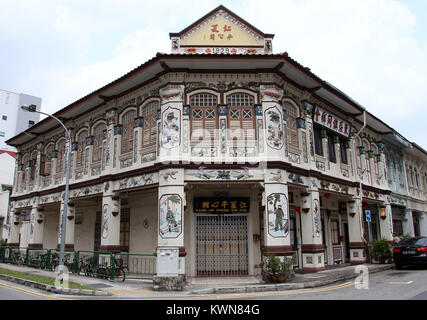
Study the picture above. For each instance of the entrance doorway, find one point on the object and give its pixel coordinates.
(222, 245)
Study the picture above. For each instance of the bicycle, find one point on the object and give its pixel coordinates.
(17, 259)
(104, 271)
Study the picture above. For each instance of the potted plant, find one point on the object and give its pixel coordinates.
(276, 270)
(381, 251)
(270, 267)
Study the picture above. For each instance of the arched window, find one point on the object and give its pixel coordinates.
(24, 164)
(127, 131)
(291, 128)
(241, 118)
(33, 165)
(46, 163)
(98, 133)
(60, 164)
(149, 123)
(204, 118)
(81, 143)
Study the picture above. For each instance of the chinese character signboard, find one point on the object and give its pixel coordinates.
(221, 205)
(331, 121)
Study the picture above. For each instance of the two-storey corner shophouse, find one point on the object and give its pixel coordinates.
(221, 149)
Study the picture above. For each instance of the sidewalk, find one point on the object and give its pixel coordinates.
(197, 285)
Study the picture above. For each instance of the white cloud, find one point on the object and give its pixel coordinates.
(366, 48)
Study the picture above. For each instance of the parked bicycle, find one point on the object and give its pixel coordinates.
(104, 271)
(17, 258)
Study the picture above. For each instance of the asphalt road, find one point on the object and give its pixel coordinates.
(407, 284)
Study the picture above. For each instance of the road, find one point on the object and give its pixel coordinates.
(408, 284)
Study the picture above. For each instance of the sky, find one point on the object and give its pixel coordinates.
(373, 50)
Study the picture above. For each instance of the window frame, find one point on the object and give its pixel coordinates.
(98, 140)
(152, 127)
(291, 122)
(129, 137)
(241, 109)
(204, 119)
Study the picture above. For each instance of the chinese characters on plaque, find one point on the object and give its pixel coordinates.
(220, 32)
(221, 205)
(332, 122)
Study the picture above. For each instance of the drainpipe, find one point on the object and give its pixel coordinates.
(360, 182)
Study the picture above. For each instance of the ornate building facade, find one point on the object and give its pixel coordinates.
(221, 149)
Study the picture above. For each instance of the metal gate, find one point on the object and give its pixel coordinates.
(222, 245)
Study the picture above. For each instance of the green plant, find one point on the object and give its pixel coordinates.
(381, 250)
(271, 265)
(286, 266)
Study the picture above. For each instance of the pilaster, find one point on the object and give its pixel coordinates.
(276, 214)
(311, 224)
(69, 228)
(37, 226)
(170, 144)
(171, 203)
(110, 221)
(357, 243)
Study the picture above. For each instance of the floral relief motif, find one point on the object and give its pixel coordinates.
(274, 128)
(170, 137)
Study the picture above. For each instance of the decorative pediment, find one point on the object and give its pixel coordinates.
(221, 32)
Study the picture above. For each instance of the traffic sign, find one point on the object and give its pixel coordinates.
(368, 215)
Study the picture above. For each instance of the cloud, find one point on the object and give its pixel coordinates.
(366, 48)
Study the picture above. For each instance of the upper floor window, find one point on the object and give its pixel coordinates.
(416, 178)
(98, 134)
(60, 164)
(127, 131)
(331, 148)
(318, 148)
(358, 155)
(4, 117)
(343, 151)
(24, 163)
(241, 117)
(149, 123)
(291, 128)
(46, 163)
(204, 119)
(81, 143)
(33, 165)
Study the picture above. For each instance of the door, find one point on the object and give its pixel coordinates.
(221, 245)
(347, 242)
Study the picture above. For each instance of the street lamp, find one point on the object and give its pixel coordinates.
(33, 108)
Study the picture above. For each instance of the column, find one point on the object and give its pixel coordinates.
(423, 223)
(408, 223)
(88, 156)
(37, 226)
(110, 221)
(108, 144)
(13, 238)
(276, 214)
(137, 140)
(274, 123)
(54, 163)
(313, 249)
(69, 232)
(170, 144)
(386, 222)
(171, 202)
(357, 243)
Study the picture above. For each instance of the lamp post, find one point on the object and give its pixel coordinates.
(32, 108)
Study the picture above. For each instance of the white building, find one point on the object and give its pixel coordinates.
(7, 167)
(13, 120)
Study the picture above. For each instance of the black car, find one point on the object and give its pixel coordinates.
(410, 251)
